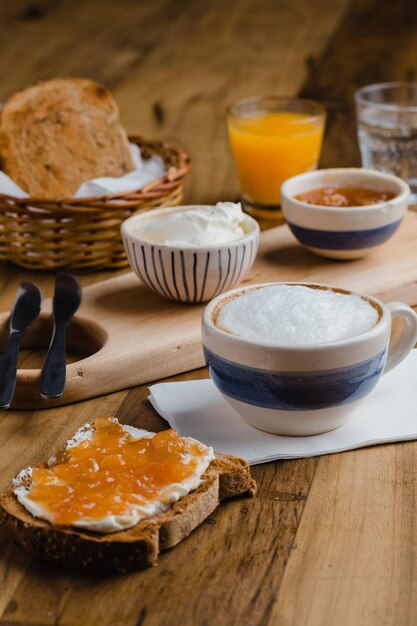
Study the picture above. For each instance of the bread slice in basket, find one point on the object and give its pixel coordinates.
(136, 547)
(59, 133)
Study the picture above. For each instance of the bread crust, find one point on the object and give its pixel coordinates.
(57, 134)
(137, 547)
(235, 476)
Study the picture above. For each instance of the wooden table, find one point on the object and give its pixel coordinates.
(328, 541)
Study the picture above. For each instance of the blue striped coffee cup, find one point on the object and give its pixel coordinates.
(302, 389)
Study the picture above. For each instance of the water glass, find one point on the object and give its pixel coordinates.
(387, 129)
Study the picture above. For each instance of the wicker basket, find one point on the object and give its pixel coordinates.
(84, 233)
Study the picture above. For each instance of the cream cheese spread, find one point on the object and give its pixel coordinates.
(196, 227)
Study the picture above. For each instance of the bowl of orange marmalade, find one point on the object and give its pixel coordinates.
(344, 213)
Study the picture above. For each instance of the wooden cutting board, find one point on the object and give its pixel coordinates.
(127, 335)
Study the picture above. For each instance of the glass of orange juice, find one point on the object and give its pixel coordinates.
(272, 139)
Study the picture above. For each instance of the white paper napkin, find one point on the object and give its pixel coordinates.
(145, 171)
(196, 409)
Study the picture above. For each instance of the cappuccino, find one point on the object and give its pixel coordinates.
(296, 315)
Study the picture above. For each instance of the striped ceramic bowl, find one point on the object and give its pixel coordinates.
(344, 232)
(189, 275)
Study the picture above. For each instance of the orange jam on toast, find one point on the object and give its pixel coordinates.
(113, 472)
(344, 196)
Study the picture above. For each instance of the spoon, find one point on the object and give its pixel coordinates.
(26, 309)
(67, 299)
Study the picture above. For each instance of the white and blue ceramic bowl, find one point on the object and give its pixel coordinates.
(344, 232)
(302, 390)
(190, 275)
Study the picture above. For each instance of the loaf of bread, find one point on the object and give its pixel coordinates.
(137, 547)
(57, 134)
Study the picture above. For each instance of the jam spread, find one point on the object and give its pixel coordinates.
(112, 472)
(344, 196)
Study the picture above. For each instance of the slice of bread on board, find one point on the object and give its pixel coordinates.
(57, 134)
(137, 547)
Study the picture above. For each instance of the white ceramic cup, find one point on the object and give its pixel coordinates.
(303, 390)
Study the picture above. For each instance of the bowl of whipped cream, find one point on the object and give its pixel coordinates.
(191, 253)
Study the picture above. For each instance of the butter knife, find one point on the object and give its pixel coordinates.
(67, 299)
(25, 311)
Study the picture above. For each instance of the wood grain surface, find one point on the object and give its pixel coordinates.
(328, 541)
(126, 335)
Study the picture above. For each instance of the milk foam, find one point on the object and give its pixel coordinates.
(297, 315)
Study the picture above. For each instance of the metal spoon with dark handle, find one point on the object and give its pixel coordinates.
(25, 311)
(67, 299)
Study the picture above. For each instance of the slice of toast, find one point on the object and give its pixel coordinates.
(59, 133)
(137, 547)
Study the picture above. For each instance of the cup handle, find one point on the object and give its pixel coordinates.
(408, 336)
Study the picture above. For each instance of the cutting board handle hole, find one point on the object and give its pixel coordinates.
(84, 338)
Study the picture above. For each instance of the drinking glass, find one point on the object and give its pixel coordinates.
(272, 139)
(387, 129)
